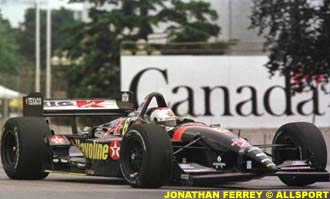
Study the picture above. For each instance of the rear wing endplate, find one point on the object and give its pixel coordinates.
(35, 105)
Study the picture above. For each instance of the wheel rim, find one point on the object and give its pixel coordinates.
(133, 156)
(10, 147)
(292, 154)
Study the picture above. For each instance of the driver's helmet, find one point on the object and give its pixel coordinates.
(163, 116)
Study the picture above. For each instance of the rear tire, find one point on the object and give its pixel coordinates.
(23, 148)
(145, 156)
(308, 139)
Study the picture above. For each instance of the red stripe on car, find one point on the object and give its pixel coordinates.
(177, 135)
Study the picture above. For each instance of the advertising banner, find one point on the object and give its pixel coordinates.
(235, 91)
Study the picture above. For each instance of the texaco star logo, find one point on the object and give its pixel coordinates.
(114, 150)
(57, 139)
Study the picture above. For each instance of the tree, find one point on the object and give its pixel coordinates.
(96, 45)
(298, 38)
(191, 21)
(8, 48)
(61, 20)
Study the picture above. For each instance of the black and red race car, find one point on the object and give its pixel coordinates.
(109, 138)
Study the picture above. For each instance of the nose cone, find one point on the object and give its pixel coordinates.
(263, 162)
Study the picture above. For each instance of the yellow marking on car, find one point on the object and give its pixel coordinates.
(126, 125)
(63, 172)
(94, 150)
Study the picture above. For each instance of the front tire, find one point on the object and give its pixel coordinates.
(23, 150)
(145, 156)
(309, 144)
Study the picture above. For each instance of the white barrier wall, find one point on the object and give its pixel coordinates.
(232, 90)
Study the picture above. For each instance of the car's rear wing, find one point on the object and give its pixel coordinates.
(35, 105)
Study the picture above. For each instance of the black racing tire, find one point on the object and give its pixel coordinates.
(310, 144)
(23, 148)
(145, 156)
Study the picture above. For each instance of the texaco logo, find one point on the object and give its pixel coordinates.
(114, 150)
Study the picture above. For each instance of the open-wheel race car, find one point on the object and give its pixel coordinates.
(150, 146)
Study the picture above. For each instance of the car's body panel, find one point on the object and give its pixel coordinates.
(201, 153)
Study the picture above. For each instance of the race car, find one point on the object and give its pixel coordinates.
(150, 147)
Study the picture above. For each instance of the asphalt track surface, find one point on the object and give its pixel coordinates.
(59, 186)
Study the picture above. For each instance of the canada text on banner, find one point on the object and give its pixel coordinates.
(235, 91)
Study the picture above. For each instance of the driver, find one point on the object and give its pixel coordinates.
(163, 116)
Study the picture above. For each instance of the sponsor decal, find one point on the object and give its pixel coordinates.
(89, 103)
(33, 101)
(114, 150)
(115, 127)
(111, 124)
(111, 127)
(79, 104)
(93, 150)
(241, 143)
(57, 140)
(126, 125)
(219, 164)
(119, 125)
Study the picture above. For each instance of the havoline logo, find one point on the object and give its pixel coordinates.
(93, 150)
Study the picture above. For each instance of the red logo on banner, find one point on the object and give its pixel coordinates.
(89, 103)
(114, 150)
